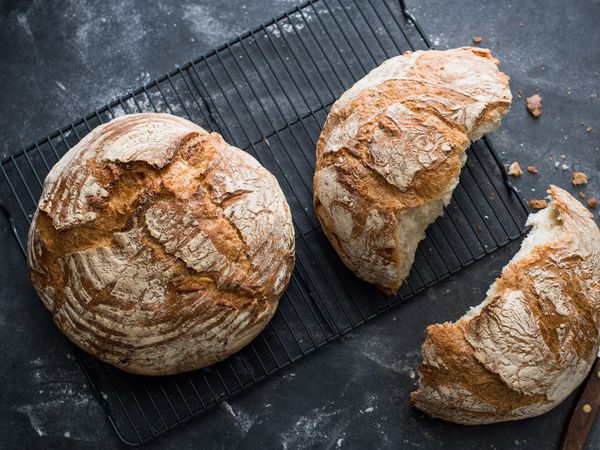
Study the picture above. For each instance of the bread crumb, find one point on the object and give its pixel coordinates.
(534, 105)
(588, 129)
(515, 170)
(538, 204)
(579, 178)
(477, 39)
(412, 375)
(532, 169)
(592, 202)
(582, 195)
(564, 166)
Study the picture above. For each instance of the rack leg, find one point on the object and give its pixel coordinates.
(409, 16)
(13, 227)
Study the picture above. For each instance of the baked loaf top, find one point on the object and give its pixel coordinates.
(391, 151)
(158, 247)
(536, 335)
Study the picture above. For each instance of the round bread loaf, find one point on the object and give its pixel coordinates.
(391, 151)
(533, 339)
(158, 247)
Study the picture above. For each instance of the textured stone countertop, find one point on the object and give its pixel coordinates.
(59, 60)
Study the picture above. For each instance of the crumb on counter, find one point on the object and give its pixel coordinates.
(582, 195)
(515, 169)
(588, 129)
(532, 169)
(534, 105)
(592, 202)
(538, 204)
(579, 178)
(477, 39)
(564, 166)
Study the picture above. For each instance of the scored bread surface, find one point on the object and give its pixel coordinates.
(158, 247)
(391, 151)
(534, 338)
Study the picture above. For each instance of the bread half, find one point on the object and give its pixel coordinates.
(533, 339)
(391, 152)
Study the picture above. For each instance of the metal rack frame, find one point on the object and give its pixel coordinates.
(268, 92)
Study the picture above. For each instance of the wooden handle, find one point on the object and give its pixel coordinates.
(582, 418)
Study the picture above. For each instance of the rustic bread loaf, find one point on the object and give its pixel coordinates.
(158, 247)
(391, 151)
(533, 339)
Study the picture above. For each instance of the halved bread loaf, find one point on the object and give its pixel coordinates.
(533, 339)
(391, 151)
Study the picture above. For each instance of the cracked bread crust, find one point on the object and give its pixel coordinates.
(534, 338)
(391, 151)
(158, 247)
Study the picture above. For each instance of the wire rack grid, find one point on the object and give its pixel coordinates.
(268, 92)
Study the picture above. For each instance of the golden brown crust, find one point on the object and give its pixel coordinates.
(391, 151)
(534, 338)
(158, 247)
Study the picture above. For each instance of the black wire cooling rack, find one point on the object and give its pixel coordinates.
(268, 92)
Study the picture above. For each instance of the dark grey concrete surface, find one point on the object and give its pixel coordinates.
(59, 60)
